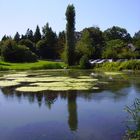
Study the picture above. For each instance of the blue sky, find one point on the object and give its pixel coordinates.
(18, 15)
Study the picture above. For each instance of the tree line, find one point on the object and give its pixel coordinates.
(71, 46)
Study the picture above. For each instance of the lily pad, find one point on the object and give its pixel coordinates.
(102, 82)
(84, 77)
(6, 83)
(51, 84)
(53, 79)
(31, 89)
(62, 84)
(40, 79)
(47, 82)
(16, 75)
(113, 73)
(57, 88)
(81, 80)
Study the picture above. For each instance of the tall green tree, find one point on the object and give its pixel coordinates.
(37, 34)
(91, 43)
(116, 32)
(85, 45)
(113, 49)
(70, 35)
(50, 38)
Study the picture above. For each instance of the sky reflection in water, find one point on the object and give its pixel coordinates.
(71, 115)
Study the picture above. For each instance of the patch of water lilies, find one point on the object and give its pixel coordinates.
(5, 83)
(63, 84)
(51, 79)
(21, 74)
(39, 83)
(39, 79)
(113, 73)
(52, 88)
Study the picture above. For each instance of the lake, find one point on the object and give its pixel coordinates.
(96, 114)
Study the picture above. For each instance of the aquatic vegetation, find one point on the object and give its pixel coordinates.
(102, 82)
(53, 88)
(81, 80)
(57, 86)
(119, 66)
(51, 84)
(31, 89)
(134, 120)
(5, 83)
(36, 82)
(113, 73)
(63, 84)
(49, 79)
(39, 79)
(14, 76)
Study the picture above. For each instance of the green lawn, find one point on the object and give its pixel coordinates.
(32, 66)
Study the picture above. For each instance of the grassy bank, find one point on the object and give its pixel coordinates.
(119, 66)
(108, 66)
(31, 66)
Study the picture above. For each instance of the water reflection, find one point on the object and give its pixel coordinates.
(116, 91)
(88, 114)
(72, 110)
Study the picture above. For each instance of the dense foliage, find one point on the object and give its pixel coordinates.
(118, 66)
(70, 45)
(84, 63)
(12, 52)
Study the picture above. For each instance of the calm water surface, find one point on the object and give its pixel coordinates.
(71, 115)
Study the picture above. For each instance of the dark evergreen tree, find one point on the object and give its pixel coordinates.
(29, 35)
(70, 35)
(17, 37)
(50, 38)
(23, 37)
(5, 37)
(137, 35)
(37, 34)
(61, 42)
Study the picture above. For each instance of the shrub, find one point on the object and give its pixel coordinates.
(12, 52)
(28, 44)
(48, 66)
(84, 62)
(117, 66)
(134, 120)
(132, 65)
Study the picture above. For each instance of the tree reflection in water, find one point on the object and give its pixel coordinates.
(115, 90)
(72, 110)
